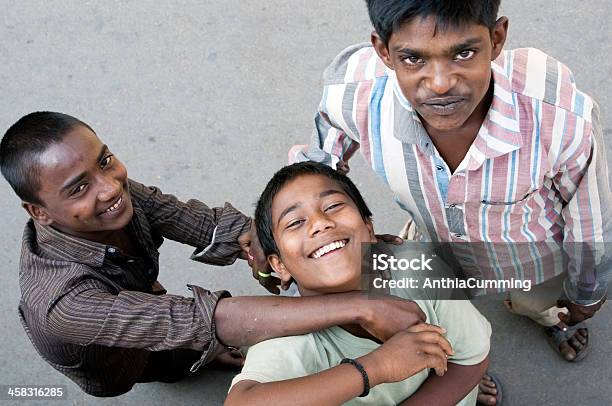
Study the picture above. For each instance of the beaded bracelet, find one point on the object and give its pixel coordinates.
(364, 375)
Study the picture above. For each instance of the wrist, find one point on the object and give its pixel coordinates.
(372, 368)
(365, 312)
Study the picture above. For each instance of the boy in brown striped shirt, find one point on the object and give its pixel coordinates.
(90, 303)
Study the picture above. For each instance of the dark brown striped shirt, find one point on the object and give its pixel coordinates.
(90, 310)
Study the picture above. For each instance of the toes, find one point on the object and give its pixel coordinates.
(568, 352)
(487, 390)
(488, 384)
(575, 344)
(486, 400)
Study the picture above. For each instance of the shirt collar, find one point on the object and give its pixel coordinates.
(498, 135)
(69, 248)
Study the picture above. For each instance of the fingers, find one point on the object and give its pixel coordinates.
(435, 359)
(285, 285)
(271, 284)
(389, 238)
(424, 327)
(417, 310)
(437, 338)
(428, 333)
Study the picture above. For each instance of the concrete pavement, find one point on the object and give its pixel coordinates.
(204, 98)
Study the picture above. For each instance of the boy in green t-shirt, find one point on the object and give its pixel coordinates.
(312, 221)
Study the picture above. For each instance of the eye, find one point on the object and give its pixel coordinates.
(78, 189)
(106, 161)
(412, 60)
(294, 223)
(465, 55)
(333, 206)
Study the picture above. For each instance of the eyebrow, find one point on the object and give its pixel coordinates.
(72, 182)
(293, 207)
(453, 49)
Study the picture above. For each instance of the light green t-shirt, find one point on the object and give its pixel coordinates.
(278, 359)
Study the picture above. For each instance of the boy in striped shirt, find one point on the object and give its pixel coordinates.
(479, 145)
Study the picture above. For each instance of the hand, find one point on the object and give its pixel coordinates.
(407, 353)
(253, 253)
(387, 315)
(390, 239)
(343, 167)
(577, 313)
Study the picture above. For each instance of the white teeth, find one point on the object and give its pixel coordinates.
(327, 248)
(114, 206)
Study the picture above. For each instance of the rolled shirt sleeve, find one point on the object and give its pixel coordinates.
(584, 185)
(214, 231)
(88, 314)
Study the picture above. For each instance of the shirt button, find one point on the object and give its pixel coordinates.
(111, 250)
(130, 260)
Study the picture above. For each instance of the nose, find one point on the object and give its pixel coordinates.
(109, 188)
(320, 222)
(440, 79)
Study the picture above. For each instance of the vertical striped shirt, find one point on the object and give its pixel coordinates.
(90, 310)
(533, 182)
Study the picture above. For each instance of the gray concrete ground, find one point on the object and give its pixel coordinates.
(204, 98)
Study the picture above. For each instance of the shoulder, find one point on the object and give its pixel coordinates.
(279, 359)
(539, 76)
(357, 63)
(141, 192)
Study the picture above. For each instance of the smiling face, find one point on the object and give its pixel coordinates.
(318, 231)
(83, 188)
(444, 73)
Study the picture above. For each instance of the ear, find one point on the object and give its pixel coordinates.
(278, 267)
(381, 50)
(38, 213)
(498, 36)
(370, 224)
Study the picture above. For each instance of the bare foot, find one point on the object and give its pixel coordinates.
(487, 391)
(572, 347)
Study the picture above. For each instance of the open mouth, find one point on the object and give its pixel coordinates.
(328, 248)
(115, 206)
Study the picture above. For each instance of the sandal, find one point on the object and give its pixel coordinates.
(498, 387)
(557, 335)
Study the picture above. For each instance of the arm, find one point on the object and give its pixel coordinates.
(404, 355)
(249, 320)
(88, 313)
(329, 143)
(449, 389)
(330, 387)
(340, 121)
(582, 181)
(214, 231)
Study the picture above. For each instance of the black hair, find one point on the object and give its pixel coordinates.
(263, 212)
(387, 16)
(24, 142)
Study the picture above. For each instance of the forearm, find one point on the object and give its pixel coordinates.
(334, 386)
(249, 320)
(89, 315)
(449, 389)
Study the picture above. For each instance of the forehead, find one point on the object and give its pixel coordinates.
(426, 34)
(301, 191)
(76, 153)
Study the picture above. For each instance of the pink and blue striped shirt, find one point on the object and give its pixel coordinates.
(533, 181)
